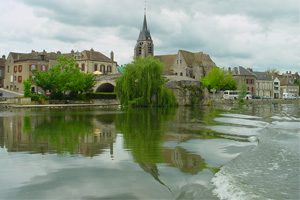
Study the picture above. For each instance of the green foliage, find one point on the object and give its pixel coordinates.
(242, 92)
(64, 78)
(27, 88)
(219, 80)
(142, 85)
(143, 131)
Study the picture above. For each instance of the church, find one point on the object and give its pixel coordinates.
(184, 63)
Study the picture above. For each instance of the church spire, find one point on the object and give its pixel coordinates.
(144, 45)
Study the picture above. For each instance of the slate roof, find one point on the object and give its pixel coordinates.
(95, 56)
(145, 33)
(37, 56)
(168, 61)
(263, 76)
(198, 58)
(2, 62)
(241, 71)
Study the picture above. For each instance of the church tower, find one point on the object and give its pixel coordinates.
(144, 46)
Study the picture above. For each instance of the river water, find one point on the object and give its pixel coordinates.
(242, 152)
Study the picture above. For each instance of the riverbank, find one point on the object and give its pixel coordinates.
(96, 103)
(115, 103)
(250, 101)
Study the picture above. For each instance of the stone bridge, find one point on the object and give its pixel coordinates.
(106, 83)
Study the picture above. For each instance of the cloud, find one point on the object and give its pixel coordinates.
(255, 33)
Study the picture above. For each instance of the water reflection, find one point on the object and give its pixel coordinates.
(53, 132)
(93, 132)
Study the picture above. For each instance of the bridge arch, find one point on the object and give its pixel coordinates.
(105, 86)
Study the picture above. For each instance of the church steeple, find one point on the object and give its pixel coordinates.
(144, 45)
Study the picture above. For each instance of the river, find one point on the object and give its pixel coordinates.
(240, 152)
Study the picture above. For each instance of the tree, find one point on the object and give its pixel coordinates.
(64, 78)
(219, 80)
(272, 71)
(297, 82)
(142, 84)
(27, 88)
(242, 92)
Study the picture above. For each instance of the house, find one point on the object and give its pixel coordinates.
(20, 66)
(288, 87)
(244, 76)
(187, 64)
(276, 88)
(264, 85)
(2, 68)
(288, 83)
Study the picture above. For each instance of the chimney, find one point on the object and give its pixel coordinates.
(72, 51)
(32, 51)
(112, 56)
(3, 57)
(290, 72)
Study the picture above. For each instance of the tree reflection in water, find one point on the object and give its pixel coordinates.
(143, 131)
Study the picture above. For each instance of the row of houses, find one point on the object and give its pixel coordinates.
(19, 66)
(267, 84)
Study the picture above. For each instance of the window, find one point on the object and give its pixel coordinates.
(82, 67)
(32, 67)
(95, 67)
(102, 68)
(20, 79)
(20, 68)
(150, 49)
(44, 68)
(7, 69)
(108, 68)
(181, 74)
(15, 69)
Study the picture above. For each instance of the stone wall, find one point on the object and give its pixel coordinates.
(187, 91)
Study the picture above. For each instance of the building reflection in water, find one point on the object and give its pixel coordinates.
(183, 160)
(73, 134)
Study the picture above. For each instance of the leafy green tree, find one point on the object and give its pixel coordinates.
(142, 84)
(27, 88)
(297, 82)
(219, 80)
(242, 92)
(64, 78)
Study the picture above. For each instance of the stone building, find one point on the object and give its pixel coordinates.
(2, 68)
(244, 76)
(144, 46)
(263, 85)
(276, 88)
(19, 66)
(90, 61)
(288, 87)
(187, 64)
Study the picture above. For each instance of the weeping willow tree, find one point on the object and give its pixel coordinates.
(142, 85)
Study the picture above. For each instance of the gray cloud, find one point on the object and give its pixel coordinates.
(256, 33)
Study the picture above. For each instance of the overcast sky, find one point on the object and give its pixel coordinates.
(262, 34)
